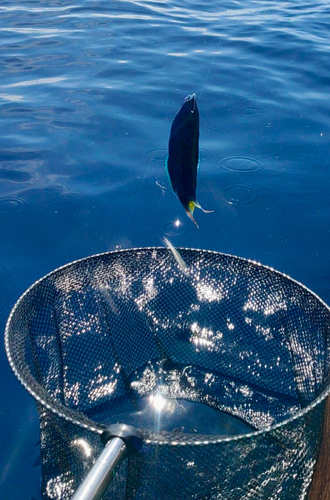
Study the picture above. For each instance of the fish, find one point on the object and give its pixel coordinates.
(183, 155)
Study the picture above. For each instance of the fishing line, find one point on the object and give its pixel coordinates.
(209, 70)
(138, 191)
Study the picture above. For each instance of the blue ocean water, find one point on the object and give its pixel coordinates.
(88, 92)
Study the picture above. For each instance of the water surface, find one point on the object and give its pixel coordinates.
(88, 92)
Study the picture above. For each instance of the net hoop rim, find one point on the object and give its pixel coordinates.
(94, 427)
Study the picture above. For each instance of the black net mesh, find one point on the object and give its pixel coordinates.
(223, 368)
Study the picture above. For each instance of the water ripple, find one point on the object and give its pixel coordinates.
(241, 164)
(11, 205)
(175, 228)
(156, 155)
(240, 194)
(254, 105)
(62, 208)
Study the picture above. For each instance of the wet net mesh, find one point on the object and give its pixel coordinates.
(224, 368)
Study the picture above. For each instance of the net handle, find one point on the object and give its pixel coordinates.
(99, 477)
(120, 441)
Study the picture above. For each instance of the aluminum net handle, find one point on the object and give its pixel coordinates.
(120, 441)
(99, 477)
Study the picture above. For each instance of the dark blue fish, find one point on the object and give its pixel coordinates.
(183, 155)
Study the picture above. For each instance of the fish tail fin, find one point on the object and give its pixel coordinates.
(196, 204)
(190, 211)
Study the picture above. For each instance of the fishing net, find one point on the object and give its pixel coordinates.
(223, 365)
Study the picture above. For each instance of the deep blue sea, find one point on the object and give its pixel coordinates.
(88, 92)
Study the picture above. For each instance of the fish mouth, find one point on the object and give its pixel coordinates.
(191, 98)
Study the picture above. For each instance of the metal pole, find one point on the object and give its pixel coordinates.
(100, 475)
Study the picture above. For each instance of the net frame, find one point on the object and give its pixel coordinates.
(78, 419)
(85, 423)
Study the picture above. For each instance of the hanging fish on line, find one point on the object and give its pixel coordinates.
(183, 155)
